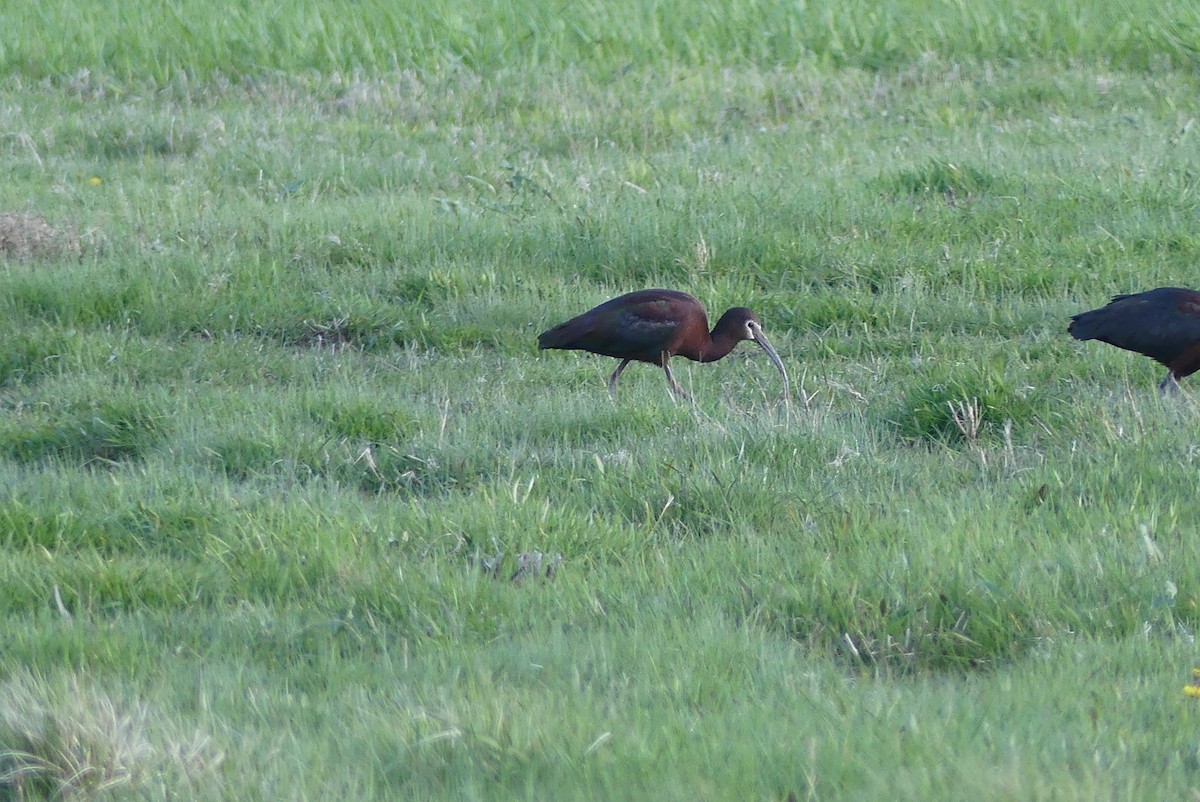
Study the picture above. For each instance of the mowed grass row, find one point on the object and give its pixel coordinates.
(273, 407)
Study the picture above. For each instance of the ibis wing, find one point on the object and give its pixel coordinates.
(1162, 324)
(640, 325)
(644, 331)
(640, 330)
(633, 326)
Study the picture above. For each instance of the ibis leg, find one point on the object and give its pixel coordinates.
(675, 388)
(612, 382)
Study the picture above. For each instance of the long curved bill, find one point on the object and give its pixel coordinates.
(760, 337)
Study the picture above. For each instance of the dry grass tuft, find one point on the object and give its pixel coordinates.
(63, 740)
(26, 235)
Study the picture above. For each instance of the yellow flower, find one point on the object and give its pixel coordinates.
(1193, 689)
(95, 180)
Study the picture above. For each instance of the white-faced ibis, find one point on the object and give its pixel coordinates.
(655, 325)
(1163, 324)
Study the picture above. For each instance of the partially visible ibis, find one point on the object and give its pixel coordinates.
(655, 325)
(1163, 324)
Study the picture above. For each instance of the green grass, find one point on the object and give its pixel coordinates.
(168, 42)
(276, 434)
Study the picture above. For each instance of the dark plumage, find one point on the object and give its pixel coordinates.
(1163, 324)
(654, 325)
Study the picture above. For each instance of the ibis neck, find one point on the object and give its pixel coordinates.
(719, 346)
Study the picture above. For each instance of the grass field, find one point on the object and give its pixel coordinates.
(277, 439)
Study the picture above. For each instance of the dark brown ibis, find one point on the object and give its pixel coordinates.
(655, 325)
(1163, 324)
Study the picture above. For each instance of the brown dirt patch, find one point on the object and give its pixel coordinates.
(27, 235)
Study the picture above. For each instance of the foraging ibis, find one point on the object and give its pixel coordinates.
(1163, 324)
(655, 325)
